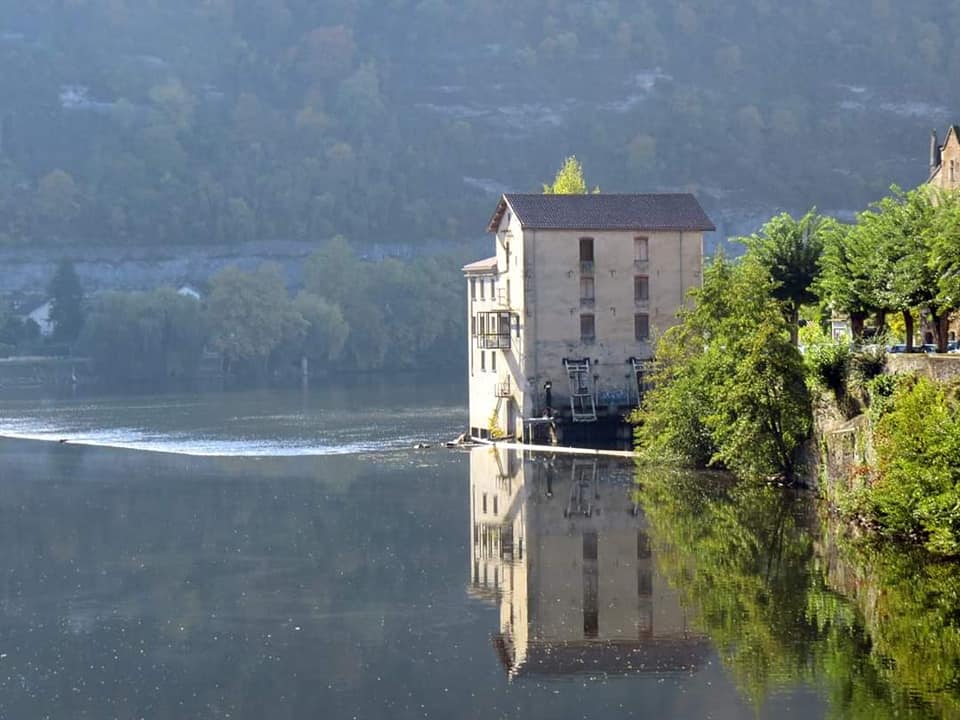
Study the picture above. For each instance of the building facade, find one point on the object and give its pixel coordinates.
(564, 317)
(945, 160)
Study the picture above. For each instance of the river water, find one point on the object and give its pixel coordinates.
(289, 554)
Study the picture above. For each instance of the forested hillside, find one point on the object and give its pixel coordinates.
(223, 121)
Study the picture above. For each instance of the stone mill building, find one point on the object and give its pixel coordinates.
(564, 317)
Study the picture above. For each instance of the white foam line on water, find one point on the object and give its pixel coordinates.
(213, 448)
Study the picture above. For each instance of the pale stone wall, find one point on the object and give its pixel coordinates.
(673, 268)
(936, 366)
(484, 366)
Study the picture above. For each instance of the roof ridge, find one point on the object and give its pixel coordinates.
(662, 211)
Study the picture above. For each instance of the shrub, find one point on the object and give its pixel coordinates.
(867, 364)
(829, 365)
(879, 392)
(917, 491)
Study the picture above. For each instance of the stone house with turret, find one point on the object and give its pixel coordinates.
(945, 160)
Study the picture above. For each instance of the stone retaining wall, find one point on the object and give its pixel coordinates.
(936, 366)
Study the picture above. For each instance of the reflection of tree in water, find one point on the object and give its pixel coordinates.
(748, 560)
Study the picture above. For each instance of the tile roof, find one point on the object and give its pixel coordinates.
(648, 211)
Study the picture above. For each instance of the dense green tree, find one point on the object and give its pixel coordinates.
(730, 386)
(321, 336)
(250, 314)
(944, 258)
(896, 230)
(790, 251)
(145, 336)
(918, 466)
(66, 297)
(845, 283)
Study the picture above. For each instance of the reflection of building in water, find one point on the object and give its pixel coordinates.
(560, 546)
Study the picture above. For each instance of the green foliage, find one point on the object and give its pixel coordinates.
(845, 282)
(944, 240)
(144, 336)
(829, 365)
(729, 389)
(868, 363)
(405, 313)
(268, 119)
(880, 391)
(569, 180)
(66, 309)
(15, 331)
(917, 490)
(788, 603)
(899, 257)
(250, 314)
(909, 600)
(325, 330)
(790, 250)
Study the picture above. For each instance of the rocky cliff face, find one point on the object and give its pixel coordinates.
(28, 269)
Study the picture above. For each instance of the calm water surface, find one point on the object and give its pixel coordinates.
(278, 554)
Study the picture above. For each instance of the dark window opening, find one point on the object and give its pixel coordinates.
(641, 288)
(641, 326)
(587, 329)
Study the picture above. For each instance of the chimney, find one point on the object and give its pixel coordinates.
(934, 151)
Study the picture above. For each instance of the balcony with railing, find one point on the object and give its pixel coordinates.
(492, 329)
(503, 388)
(493, 341)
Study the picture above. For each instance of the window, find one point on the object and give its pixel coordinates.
(644, 582)
(473, 288)
(484, 503)
(482, 284)
(641, 249)
(587, 329)
(643, 545)
(586, 249)
(641, 288)
(586, 291)
(473, 325)
(641, 327)
(586, 255)
(492, 285)
(495, 504)
(483, 359)
(493, 361)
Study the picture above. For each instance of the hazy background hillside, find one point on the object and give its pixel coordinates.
(158, 122)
